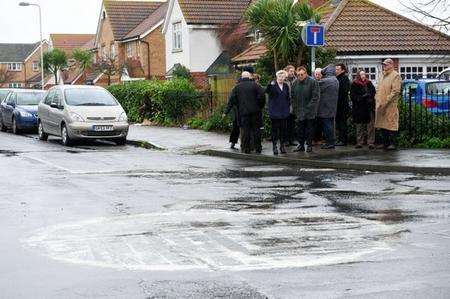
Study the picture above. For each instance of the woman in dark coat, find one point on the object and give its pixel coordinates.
(279, 106)
(362, 94)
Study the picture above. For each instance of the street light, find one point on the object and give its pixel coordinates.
(42, 43)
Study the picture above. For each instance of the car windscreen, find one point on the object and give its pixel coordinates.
(3, 94)
(29, 98)
(438, 88)
(89, 97)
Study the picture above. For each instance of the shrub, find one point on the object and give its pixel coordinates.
(181, 72)
(165, 102)
(218, 123)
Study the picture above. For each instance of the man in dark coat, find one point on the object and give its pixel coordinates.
(343, 107)
(329, 90)
(305, 98)
(248, 97)
(235, 130)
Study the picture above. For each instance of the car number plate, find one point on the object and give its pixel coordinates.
(103, 128)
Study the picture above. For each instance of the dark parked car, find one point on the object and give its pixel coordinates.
(19, 110)
(3, 93)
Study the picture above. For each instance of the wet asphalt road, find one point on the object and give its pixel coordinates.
(100, 221)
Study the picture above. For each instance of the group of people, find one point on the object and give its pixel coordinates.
(304, 108)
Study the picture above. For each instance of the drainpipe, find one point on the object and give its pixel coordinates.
(148, 55)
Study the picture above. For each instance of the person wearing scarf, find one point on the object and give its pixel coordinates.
(362, 94)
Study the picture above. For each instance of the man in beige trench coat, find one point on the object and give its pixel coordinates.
(387, 96)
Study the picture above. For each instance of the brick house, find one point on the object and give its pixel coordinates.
(129, 35)
(69, 42)
(20, 65)
(364, 33)
(191, 32)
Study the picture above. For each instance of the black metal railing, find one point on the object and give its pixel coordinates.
(425, 114)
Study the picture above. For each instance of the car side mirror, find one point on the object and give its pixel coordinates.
(12, 104)
(54, 105)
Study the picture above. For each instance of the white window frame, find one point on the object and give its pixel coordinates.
(432, 68)
(15, 85)
(15, 66)
(129, 49)
(177, 37)
(412, 71)
(368, 68)
(35, 66)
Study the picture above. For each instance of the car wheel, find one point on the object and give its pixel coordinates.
(42, 135)
(65, 136)
(15, 129)
(121, 141)
(3, 128)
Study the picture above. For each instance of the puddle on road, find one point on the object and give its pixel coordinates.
(8, 153)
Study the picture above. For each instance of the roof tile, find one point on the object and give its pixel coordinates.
(125, 16)
(361, 26)
(213, 12)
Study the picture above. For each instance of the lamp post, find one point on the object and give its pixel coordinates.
(42, 43)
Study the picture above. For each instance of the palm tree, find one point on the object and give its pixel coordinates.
(54, 61)
(84, 59)
(279, 21)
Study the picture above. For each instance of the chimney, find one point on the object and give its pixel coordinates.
(317, 3)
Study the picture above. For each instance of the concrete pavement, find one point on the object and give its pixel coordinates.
(346, 158)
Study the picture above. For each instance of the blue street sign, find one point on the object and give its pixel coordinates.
(314, 35)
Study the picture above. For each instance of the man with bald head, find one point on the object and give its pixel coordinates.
(386, 100)
(249, 98)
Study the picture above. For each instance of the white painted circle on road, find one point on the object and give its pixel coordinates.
(213, 240)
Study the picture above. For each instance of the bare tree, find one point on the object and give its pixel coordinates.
(108, 67)
(5, 74)
(436, 11)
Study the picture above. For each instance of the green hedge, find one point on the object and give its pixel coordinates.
(165, 102)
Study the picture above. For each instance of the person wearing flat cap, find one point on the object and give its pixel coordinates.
(386, 104)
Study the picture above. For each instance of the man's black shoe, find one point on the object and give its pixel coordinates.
(327, 146)
(391, 148)
(299, 148)
(232, 145)
(340, 143)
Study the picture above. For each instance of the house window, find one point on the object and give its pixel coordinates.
(177, 40)
(112, 51)
(15, 85)
(433, 71)
(371, 72)
(35, 66)
(411, 72)
(14, 66)
(129, 49)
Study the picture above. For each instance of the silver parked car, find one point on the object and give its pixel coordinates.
(81, 112)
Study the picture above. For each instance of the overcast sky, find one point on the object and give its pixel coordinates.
(21, 24)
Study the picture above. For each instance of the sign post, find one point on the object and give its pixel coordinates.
(313, 35)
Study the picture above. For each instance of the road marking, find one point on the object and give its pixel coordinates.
(214, 240)
(53, 165)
